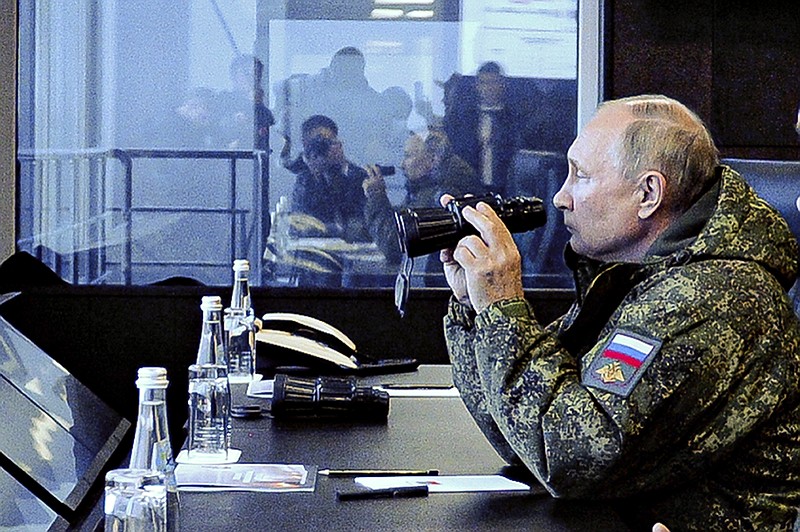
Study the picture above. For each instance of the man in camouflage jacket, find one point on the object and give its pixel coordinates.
(672, 385)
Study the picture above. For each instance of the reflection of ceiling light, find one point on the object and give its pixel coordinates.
(420, 13)
(386, 13)
(383, 45)
(403, 2)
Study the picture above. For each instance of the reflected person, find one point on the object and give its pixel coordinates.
(387, 148)
(329, 189)
(244, 117)
(669, 388)
(313, 126)
(485, 126)
(342, 91)
(194, 124)
(430, 169)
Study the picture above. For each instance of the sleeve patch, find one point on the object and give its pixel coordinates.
(621, 363)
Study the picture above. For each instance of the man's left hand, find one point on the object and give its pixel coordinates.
(491, 261)
(374, 185)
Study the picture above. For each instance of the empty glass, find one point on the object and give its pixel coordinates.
(135, 501)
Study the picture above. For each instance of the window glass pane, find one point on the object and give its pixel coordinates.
(164, 139)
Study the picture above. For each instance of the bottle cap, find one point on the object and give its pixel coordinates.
(241, 265)
(211, 303)
(152, 377)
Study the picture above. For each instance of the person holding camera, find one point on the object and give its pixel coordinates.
(313, 126)
(670, 387)
(328, 186)
(430, 169)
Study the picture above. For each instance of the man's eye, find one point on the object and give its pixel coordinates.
(581, 175)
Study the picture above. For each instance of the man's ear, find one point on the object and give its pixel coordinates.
(653, 187)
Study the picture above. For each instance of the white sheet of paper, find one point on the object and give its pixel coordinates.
(421, 392)
(246, 477)
(446, 483)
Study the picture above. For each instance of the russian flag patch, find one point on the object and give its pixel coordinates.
(620, 363)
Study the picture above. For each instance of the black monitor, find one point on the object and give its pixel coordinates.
(57, 435)
(20, 509)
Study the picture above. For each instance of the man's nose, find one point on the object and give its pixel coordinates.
(562, 199)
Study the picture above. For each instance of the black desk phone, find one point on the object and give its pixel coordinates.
(296, 344)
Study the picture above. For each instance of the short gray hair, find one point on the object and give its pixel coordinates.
(437, 143)
(667, 136)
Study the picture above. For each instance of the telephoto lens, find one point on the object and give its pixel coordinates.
(425, 230)
(327, 397)
(385, 171)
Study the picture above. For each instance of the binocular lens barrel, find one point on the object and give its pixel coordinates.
(327, 397)
(425, 230)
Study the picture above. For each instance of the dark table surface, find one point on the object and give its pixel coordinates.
(420, 433)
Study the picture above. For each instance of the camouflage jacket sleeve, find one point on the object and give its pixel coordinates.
(460, 334)
(716, 376)
(379, 215)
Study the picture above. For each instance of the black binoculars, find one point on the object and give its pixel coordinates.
(328, 397)
(425, 230)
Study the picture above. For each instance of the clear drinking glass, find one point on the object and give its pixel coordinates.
(135, 501)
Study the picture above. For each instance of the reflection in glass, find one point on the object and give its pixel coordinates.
(183, 129)
(21, 510)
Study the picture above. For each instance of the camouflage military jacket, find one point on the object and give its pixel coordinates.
(671, 388)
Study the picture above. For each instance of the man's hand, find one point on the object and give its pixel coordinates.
(491, 262)
(374, 185)
(483, 269)
(453, 271)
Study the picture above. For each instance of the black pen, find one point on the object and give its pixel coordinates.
(384, 493)
(378, 472)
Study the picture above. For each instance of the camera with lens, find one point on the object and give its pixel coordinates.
(328, 398)
(425, 230)
(318, 146)
(385, 170)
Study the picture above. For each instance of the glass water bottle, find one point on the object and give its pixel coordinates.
(151, 444)
(209, 390)
(240, 326)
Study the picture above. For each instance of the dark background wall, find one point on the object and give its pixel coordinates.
(102, 335)
(737, 64)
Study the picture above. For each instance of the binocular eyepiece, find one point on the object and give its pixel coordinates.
(425, 230)
(328, 397)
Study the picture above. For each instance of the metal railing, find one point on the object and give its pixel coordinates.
(71, 217)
